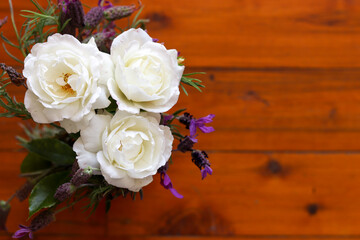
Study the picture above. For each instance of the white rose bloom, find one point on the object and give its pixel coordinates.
(147, 75)
(128, 149)
(66, 81)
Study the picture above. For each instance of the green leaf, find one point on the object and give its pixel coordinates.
(33, 163)
(42, 196)
(53, 150)
(112, 107)
(179, 111)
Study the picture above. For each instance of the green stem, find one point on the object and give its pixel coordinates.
(15, 28)
(10, 198)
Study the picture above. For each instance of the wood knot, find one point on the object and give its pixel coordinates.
(312, 208)
(274, 166)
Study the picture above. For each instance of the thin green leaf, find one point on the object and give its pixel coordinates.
(194, 73)
(183, 88)
(12, 56)
(8, 41)
(179, 111)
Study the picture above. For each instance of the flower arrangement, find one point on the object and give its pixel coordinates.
(99, 96)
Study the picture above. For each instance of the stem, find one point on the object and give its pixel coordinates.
(57, 126)
(70, 205)
(15, 28)
(10, 198)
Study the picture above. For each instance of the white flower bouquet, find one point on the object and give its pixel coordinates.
(98, 94)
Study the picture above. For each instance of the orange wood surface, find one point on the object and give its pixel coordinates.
(284, 82)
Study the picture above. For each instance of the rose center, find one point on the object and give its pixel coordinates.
(63, 82)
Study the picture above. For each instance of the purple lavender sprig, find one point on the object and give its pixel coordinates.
(72, 16)
(200, 158)
(193, 124)
(166, 182)
(40, 221)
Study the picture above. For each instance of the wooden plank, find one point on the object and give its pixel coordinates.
(248, 195)
(265, 110)
(272, 100)
(303, 195)
(295, 33)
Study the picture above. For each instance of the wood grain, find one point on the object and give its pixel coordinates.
(252, 34)
(283, 81)
(249, 194)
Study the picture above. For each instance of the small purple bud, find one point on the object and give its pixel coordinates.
(42, 220)
(93, 17)
(64, 192)
(81, 177)
(24, 191)
(103, 40)
(155, 40)
(3, 21)
(186, 144)
(15, 77)
(4, 213)
(186, 119)
(166, 118)
(105, 4)
(119, 12)
(71, 9)
(74, 168)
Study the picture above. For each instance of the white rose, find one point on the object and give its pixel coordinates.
(147, 75)
(128, 149)
(66, 81)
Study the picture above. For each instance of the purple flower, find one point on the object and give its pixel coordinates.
(40, 221)
(118, 12)
(200, 123)
(165, 119)
(186, 144)
(3, 21)
(71, 9)
(93, 17)
(23, 231)
(205, 171)
(166, 182)
(200, 158)
(105, 4)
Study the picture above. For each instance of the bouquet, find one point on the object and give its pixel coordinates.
(101, 99)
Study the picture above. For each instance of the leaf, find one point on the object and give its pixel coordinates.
(42, 196)
(33, 163)
(179, 111)
(53, 150)
(112, 107)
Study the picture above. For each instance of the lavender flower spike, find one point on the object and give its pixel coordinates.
(23, 231)
(200, 123)
(166, 182)
(200, 158)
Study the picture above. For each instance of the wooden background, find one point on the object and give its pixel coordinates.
(284, 82)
